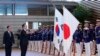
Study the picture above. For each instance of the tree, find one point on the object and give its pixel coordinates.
(82, 13)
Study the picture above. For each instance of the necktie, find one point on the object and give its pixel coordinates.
(10, 34)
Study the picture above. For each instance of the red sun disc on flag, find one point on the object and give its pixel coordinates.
(66, 31)
(57, 30)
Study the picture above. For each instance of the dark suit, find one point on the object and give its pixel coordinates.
(23, 42)
(8, 40)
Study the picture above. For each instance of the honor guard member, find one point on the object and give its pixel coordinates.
(35, 47)
(43, 39)
(81, 32)
(8, 40)
(92, 38)
(48, 40)
(42, 42)
(32, 39)
(51, 39)
(31, 45)
(86, 38)
(24, 40)
(77, 37)
(36, 41)
(97, 32)
(28, 35)
(39, 36)
(44, 36)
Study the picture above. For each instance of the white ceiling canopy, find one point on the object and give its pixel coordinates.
(67, 0)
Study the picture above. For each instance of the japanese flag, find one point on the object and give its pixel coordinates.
(58, 33)
(70, 24)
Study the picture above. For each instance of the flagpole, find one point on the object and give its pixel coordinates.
(54, 6)
(63, 53)
(73, 43)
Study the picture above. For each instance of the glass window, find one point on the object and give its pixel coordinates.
(21, 10)
(35, 25)
(6, 9)
(51, 10)
(2, 9)
(32, 0)
(9, 9)
(40, 10)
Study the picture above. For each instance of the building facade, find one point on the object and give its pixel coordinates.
(33, 12)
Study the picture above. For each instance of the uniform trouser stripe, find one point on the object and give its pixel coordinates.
(98, 49)
(78, 49)
(87, 49)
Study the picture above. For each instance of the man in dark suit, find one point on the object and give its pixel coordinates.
(8, 40)
(24, 40)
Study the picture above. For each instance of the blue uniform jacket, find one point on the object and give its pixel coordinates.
(78, 35)
(86, 36)
(39, 35)
(35, 36)
(92, 34)
(97, 32)
(51, 34)
(31, 37)
(44, 35)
